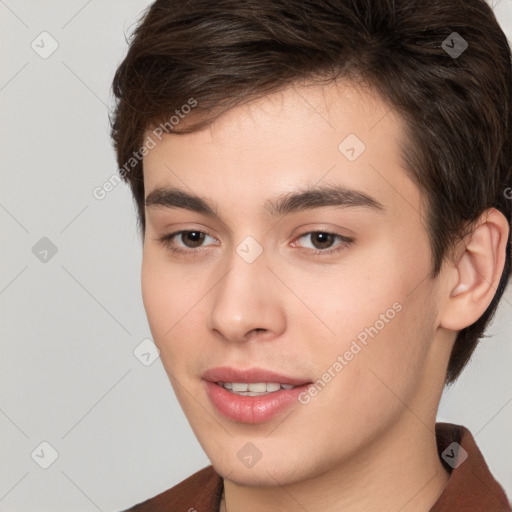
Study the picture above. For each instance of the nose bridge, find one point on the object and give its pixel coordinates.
(243, 299)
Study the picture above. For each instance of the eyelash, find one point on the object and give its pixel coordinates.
(167, 240)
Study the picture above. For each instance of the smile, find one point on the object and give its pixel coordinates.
(253, 389)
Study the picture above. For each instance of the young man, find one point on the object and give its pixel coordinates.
(322, 188)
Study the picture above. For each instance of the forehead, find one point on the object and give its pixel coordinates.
(302, 136)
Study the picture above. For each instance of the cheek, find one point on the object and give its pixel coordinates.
(155, 294)
(168, 290)
(164, 294)
(377, 322)
(343, 301)
(371, 372)
(173, 296)
(391, 356)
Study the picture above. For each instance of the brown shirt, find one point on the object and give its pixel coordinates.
(471, 487)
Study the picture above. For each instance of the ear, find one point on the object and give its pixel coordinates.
(475, 272)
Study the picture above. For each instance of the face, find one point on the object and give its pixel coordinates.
(288, 238)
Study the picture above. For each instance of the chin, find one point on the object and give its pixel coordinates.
(267, 472)
(255, 477)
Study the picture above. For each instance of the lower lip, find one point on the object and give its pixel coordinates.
(252, 409)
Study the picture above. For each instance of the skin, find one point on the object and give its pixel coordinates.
(367, 440)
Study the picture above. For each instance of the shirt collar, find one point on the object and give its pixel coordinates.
(471, 486)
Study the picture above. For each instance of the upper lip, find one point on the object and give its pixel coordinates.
(230, 374)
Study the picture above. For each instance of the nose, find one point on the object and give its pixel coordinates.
(247, 302)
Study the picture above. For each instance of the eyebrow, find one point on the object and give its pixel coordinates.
(292, 202)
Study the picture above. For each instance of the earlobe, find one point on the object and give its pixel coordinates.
(478, 269)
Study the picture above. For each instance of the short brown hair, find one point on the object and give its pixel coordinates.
(457, 108)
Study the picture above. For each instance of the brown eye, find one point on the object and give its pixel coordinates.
(323, 243)
(185, 241)
(321, 240)
(192, 239)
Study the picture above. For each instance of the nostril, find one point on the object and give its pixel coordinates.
(254, 331)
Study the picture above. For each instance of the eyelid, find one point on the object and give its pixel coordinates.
(344, 241)
(167, 240)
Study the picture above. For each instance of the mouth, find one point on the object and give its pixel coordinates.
(254, 388)
(251, 376)
(252, 396)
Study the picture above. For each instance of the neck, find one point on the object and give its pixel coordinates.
(399, 471)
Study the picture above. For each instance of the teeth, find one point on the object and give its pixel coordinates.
(254, 389)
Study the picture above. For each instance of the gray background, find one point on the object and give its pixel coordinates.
(71, 322)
